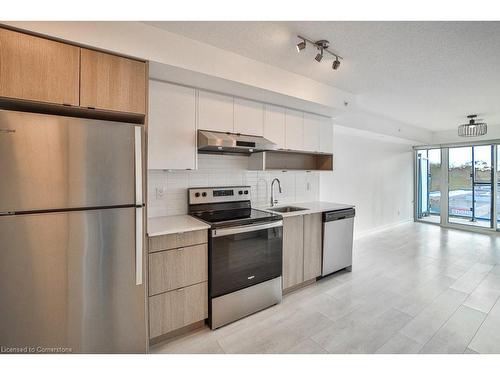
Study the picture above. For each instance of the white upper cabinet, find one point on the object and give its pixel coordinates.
(274, 124)
(294, 130)
(215, 112)
(171, 126)
(248, 117)
(312, 127)
(326, 136)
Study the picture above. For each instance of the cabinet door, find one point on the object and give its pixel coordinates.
(326, 136)
(171, 126)
(294, 130)
(215, 112)
(33, 68)
(293, 251)
(312, 126)
(312, 245)
(112, 82)
(274, 124)
(248, 117)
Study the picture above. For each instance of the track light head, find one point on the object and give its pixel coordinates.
(336, 64)
(301, 46)
(319, 56)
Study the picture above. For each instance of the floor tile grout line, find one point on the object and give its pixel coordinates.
(485, 317)
(442, 325)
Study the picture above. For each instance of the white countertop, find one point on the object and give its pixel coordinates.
(158, 226)
(162, 225)
(310, 208)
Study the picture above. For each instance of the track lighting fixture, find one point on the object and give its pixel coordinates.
(322, 46)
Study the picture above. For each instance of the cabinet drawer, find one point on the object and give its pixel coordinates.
(175, 240)
(177, 309)
(177, 268)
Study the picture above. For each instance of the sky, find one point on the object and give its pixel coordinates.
(460, 155)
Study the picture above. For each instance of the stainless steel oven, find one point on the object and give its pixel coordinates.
(244, 250)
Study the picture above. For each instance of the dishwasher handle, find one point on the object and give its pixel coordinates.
(339, 215)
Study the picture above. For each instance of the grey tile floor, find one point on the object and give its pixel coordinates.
(415, 288)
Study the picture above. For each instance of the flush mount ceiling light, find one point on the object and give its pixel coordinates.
(473, 128)
(322, 46)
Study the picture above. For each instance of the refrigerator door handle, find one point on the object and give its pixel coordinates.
(138, 246)
(138, 165)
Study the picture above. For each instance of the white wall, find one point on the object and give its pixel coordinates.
(375, 174)
(167, 190)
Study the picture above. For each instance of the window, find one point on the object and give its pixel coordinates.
(470, 188)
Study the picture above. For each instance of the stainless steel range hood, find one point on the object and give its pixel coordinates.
(230, 143)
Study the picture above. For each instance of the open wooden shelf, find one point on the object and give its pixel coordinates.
(290, 161)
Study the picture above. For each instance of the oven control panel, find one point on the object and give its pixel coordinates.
(218, 194)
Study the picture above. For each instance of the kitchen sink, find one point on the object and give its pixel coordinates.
(287, 209)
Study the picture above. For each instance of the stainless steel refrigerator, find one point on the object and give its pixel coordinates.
(71, 235)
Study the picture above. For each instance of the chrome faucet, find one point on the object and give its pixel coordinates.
(274, 201)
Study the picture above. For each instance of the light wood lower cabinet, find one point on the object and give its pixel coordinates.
(313, 239)
(176, 268)
(178, 308)
(178, 279)
(293, 251)
(302, 249)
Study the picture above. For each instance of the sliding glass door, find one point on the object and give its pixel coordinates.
(429, 185)
(470, 193)
(470, 185)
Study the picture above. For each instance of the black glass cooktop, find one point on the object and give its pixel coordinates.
(233, 217)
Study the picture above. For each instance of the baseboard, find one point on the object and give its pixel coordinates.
(299, 286)
(381, 228)
(170, 336)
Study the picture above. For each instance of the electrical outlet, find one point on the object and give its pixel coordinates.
(159, 192)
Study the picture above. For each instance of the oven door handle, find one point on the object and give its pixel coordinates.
(245, 229)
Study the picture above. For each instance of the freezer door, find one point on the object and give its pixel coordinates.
(54, 162)
(68, 281)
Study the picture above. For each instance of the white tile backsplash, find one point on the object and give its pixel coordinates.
(167, 190)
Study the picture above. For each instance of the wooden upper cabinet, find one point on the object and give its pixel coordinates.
(33, 68)
(111, 82)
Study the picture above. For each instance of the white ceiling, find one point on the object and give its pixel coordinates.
(426, 74)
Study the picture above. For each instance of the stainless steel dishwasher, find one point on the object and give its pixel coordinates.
(338, 229)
